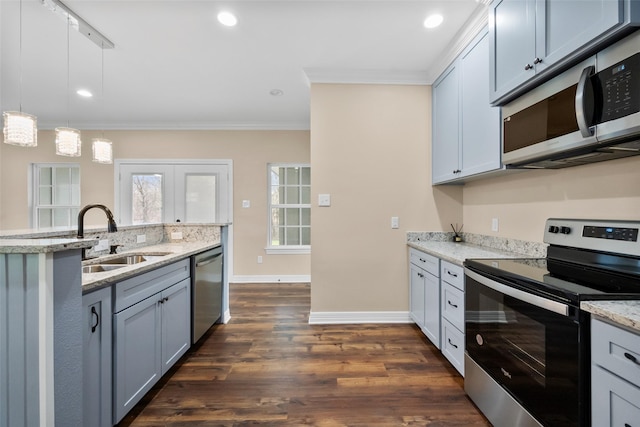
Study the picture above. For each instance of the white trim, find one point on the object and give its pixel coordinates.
(476, 22)
(351, 317)
(363, 76)
(287, 250)
(294, 125)
(301, 278)
(226, 316)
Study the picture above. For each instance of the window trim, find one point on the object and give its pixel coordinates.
(283, 249)
(34, 193)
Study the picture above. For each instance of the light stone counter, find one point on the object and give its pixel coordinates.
(176, 252)
(456, 253)
(37, 246)
(625, 313)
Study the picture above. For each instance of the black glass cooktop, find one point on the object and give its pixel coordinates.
(587, 276)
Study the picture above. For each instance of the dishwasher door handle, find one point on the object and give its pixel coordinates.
(207, 260)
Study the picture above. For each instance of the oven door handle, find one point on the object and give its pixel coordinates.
(538, 301)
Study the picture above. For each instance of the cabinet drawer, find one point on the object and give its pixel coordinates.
(616, 350)
(452, 305)
(453, 274)
(453, 345)
(425, 261)
(138, 288)
(614, 402)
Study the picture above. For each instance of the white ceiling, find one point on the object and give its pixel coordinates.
(175, 67)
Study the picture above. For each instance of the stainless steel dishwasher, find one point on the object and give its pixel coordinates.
(206, 291)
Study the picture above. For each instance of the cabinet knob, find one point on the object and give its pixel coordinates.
(528, 67)
(537, 61)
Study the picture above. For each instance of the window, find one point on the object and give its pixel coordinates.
(289, 209)
(56, 195)
(176, 191)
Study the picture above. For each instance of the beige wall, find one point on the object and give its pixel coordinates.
(249, 150)
(524, 200)
(370, 150)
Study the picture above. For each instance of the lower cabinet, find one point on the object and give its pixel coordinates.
(97, 378)
(615, 375)
(151, 334)
(436, 293)
(424, 294)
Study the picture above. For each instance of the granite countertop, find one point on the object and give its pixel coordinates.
(176, 252)
(456, 253)
(625, 313)
(36, 246)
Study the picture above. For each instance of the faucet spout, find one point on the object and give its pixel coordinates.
(111, 223)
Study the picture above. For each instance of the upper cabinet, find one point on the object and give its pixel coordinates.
(530, 39)
(466, 129)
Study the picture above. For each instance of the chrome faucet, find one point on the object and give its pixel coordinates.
(111, 224)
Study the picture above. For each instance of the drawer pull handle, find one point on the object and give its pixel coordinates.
(423, 260)
(627, 425)
(420, 275)
(631, 357)
(451, 274)
(452, 344)
(452, 304)
(95, 325)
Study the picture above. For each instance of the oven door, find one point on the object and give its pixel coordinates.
(528, 344)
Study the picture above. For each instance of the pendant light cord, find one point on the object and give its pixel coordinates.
(68, 66)
(20, 58)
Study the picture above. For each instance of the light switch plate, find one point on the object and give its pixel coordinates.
(395, 222)
(141, 238)
(246, 203)
(103, 245)
(176, 235)
(324, 199)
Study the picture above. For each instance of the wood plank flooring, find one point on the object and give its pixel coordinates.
(268, 366)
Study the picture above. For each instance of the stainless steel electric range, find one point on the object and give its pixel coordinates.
(527, 359)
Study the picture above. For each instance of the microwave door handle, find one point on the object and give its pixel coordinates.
(581, 117)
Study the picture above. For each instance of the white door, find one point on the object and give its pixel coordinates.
(180, 191)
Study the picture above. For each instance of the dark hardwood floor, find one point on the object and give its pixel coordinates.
(268, 366)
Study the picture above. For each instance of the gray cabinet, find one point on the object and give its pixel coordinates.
(615, 375)
(531, 38)
(452, 309)
(424, 298)
(466, 129)
(151, 331)
(96, 370)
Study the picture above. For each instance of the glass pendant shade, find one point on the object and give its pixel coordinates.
(20, 129)
(68, 142)
(102, 151)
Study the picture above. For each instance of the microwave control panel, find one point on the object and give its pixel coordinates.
(620, 86)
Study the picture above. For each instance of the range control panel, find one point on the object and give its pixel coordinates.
(599, 235)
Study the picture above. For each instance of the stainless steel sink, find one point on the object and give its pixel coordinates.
(97, 268)
(134, 258)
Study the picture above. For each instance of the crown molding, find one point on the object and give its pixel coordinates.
(178, 126)
(476, 22)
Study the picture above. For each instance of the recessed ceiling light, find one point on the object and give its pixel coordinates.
(84, 93)
(227, 18)
(433, 21)
(276, 92)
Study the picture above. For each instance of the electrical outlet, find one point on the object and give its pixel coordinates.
(246, 203)
(176, 235)
(141, 238)
(494, 224)
(259, 259)
(324, 199)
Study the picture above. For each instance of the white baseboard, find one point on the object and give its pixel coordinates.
(306, 278)
(351, 317)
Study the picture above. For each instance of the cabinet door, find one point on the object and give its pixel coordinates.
(417, 295)
(138, 363)
(446, 123)
(614, 401)
(512, 29)
(96, 375)
(564, 26)
(432, 308)
(480, 134)
(176, 323)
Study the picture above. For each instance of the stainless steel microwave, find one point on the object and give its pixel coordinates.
(589, 113)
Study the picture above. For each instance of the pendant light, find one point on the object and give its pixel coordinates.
(20, 128)
(68, 141)
(102, 147)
